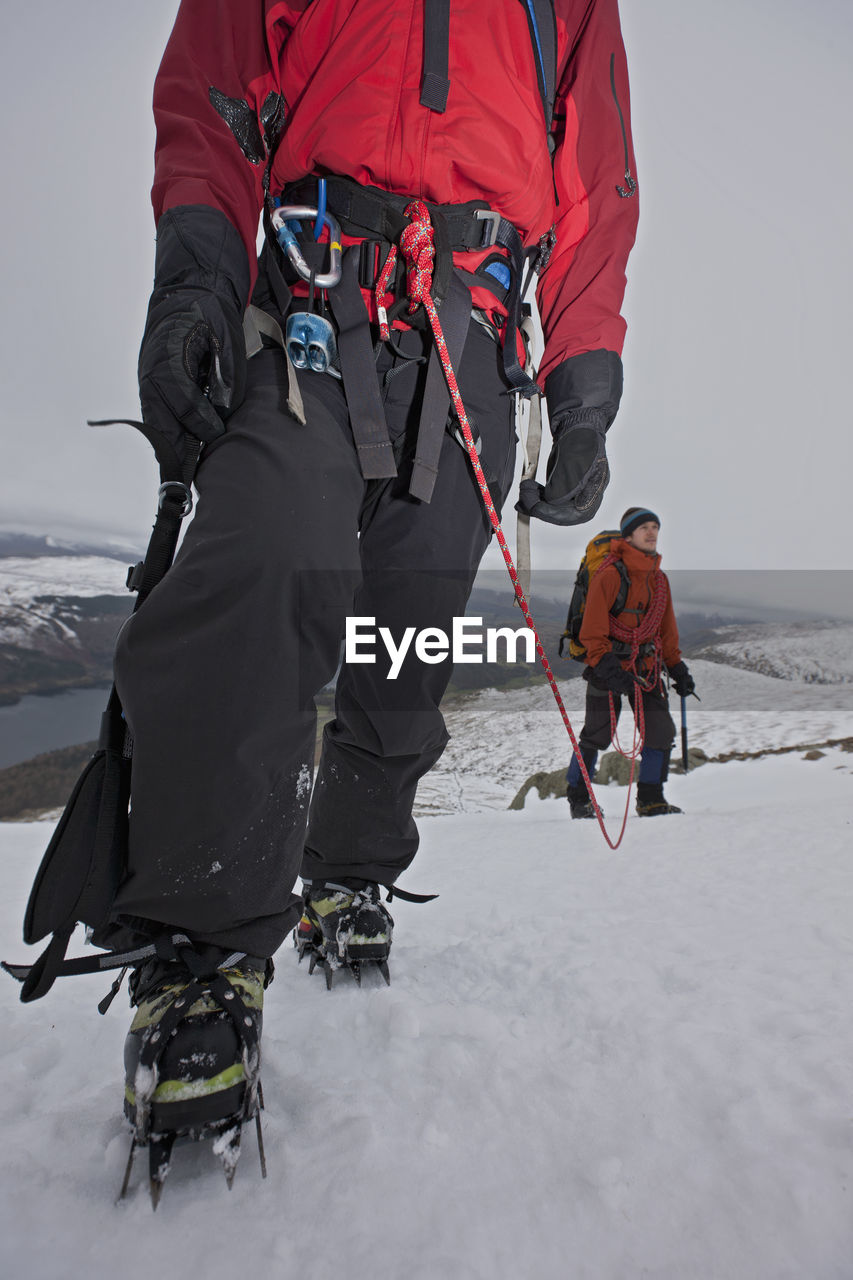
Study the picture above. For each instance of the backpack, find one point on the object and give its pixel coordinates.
(597, 551)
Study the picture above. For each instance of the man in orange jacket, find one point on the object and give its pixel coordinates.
(621, 663)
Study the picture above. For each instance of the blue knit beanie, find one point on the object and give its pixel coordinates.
(634, 517)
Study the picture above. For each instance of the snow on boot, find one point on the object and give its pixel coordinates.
(651, 801)
(580, 804)
(342, 926)
(192, 1055)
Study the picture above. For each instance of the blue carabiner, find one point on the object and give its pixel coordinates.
(321, 207)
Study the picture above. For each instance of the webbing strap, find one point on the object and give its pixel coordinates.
(164, 539)
(257, 322)
(532, 444)
(370, 212)
(455, 314)
(517, 378)
(435, 84)
(369, 428)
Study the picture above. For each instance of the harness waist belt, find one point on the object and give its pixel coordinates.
(368, 212)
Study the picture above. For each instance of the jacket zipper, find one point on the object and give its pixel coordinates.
(628, 190)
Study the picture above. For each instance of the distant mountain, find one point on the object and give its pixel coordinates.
(810, 652)
(30, 546)
(60, 612)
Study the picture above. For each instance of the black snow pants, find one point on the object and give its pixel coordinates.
(218, 670)
(659, 725)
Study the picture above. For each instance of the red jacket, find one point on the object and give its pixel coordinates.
(603, 590)
(349, 72)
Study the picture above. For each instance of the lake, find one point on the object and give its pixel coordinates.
(37, 724)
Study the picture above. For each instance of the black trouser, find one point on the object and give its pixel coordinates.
(218, 670)
(595, 736)
(659, 726)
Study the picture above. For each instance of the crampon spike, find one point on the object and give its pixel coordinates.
(159, 1159)
(227, 1147)
(382, 966)
(126, 1181)
(260, 1133)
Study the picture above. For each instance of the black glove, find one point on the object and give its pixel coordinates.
(583, 395)
(611, 675)
(192, 363)
(682, 679)
(577, 473)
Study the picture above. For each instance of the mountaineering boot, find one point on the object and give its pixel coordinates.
(651, 801)
(580, 801)
(343, 925)
(192, 1055)
(580, 804)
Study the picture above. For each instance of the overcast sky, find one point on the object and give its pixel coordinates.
(736, 419)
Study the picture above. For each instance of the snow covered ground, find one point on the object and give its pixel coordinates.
(499, 738)
(590, 1065)
(30, 588)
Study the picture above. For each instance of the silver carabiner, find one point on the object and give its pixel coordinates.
(290, 245)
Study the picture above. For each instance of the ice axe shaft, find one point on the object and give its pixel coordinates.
(684, 731)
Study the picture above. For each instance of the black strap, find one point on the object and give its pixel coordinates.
(369, 212)
(355, 349)
(174, 503)
(40, 976)
(517, 378)
(435, 84)
(455, 316)
(395, 892)
(543, 36)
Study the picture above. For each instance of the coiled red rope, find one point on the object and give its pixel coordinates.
(417, 245)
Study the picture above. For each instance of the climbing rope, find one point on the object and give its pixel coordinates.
(417, 245)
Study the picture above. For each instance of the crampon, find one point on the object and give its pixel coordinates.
(344, 928)
(192, 1057)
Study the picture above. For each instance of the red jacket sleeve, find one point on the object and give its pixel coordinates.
(223, 51)
(581, 291)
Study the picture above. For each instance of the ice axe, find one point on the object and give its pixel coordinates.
(684, 698)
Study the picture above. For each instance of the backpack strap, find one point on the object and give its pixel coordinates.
(435, 84)
(624, 586)
(543, 37)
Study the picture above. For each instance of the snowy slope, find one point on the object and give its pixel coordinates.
(499, 738)
(33, 592)
(590, 1065)
(814, 653)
